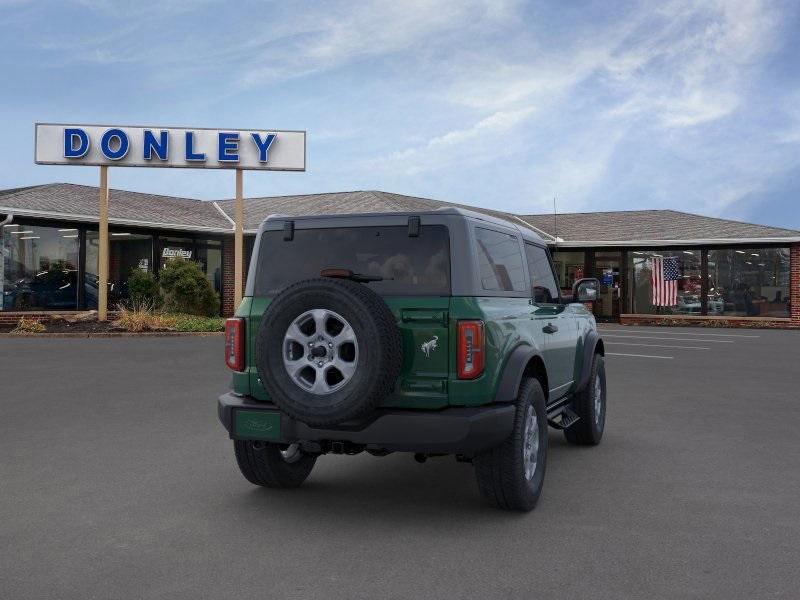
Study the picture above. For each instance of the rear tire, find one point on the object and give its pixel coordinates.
(263, 464)
(588, 431)
(506, 478)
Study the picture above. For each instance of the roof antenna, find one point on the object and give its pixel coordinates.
(555, 222)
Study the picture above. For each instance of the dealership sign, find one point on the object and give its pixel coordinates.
(193, 148)
(176, 253)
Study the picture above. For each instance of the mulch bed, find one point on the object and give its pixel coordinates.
(61, 326)
(88, 326)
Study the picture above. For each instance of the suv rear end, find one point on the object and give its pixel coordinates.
(385, 333)
(425, 294)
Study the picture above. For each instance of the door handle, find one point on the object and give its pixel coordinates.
(549, 328)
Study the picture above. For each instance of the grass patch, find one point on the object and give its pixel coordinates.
(181, 322)
(26, 325)
(142, 318)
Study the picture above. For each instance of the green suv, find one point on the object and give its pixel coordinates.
(440, 332)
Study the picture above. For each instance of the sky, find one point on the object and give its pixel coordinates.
(505, 104)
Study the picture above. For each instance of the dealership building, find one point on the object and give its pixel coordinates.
(725, 272)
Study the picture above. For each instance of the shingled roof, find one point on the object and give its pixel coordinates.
(79, 203)
(640, 227)
(635, 226)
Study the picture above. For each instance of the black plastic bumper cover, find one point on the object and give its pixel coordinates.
(457, 430)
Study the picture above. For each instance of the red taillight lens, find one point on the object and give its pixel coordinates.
(234, 344)
(471, 349)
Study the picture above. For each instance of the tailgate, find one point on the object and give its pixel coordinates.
(423, 323)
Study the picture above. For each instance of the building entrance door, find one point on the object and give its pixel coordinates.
(607, 268)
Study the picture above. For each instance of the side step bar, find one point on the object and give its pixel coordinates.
(560, 415)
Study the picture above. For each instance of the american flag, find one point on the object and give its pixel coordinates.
(664, 277)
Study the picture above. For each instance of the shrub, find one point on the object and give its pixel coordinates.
(141, 317)
(186, 289)
(143, 289)
(28, 325)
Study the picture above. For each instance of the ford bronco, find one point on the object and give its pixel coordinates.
(440, 332)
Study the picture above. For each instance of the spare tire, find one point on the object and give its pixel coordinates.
(328, 350)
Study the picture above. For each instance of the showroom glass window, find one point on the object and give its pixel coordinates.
(500, 261)
(39, 268)
(747, 282)
(569, 267)
(209, 255)
(128, 252)
(687, 296)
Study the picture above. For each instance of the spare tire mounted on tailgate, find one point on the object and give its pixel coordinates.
(328, 350)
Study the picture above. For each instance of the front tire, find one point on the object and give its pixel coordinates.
(272, 465)
(590, 405)
(511, 476)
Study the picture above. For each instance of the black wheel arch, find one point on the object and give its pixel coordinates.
(593, 344)
(524, 361)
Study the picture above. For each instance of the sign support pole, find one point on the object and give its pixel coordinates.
(238, 242)
(102, 257)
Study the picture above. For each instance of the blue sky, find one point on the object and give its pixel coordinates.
(605, 105)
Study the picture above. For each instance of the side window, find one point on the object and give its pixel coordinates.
(543, 283)
(500, 261)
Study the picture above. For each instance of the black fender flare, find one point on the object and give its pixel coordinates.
(592, 345)
(513, 370)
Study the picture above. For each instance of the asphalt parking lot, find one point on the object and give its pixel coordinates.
(118, 482)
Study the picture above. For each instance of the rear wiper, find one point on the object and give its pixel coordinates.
(348, 274)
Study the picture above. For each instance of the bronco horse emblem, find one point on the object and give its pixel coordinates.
(430, 346)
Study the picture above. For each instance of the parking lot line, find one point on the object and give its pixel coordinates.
(638, 355)
(652, 337)
(736, 335)
(659, 346)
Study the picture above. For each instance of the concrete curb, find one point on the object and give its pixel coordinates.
(115, 334)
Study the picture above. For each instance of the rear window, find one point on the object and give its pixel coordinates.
(410, 266)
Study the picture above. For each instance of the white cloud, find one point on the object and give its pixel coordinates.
(693, 69)
(511, 102)
(680, 67)
(476, 143)
(333, 36)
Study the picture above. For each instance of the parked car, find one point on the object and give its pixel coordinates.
(52, 289)
(433, 333)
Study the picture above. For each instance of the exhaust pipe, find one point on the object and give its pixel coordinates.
(9, 217)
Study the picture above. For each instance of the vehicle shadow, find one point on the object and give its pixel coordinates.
(394, 487)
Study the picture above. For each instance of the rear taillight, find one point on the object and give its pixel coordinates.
(471, 349)
(234, 344)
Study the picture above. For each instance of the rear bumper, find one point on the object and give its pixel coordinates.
(456, 430)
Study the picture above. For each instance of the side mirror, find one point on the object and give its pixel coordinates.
(585, 290)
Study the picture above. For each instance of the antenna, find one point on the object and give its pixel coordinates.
(555, 221)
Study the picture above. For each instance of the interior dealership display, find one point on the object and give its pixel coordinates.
(436, 333)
